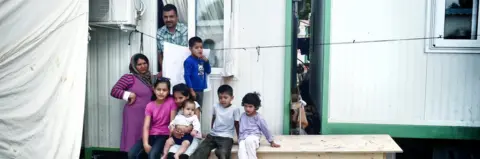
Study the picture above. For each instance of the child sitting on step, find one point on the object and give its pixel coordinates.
(224, 123)
(252, 126)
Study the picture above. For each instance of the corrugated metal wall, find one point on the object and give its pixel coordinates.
(396, 82)
(262, 71)
(108, 59)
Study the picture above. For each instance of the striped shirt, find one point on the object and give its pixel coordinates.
(123, 84)
(178, 37)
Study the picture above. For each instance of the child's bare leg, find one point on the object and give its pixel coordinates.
(167, 146)
(182, 148)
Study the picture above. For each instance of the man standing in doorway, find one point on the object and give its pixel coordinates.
(172, 32)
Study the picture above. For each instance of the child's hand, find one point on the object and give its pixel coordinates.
(147, 148)
(194, 133)
(273, 144)
(204, 58)
(178, 134)
(192, 92)
(189, 128)
(172, 133)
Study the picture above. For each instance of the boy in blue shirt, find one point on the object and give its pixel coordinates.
(196, 68)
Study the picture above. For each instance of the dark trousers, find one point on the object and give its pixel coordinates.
(156, 141)
(171, 156)
(222, 146)
(199, 98)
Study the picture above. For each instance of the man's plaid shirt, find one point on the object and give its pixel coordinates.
(179, 37)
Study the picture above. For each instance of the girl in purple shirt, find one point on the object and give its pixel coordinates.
(158, 115)
(252, 126)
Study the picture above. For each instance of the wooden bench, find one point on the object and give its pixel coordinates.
(326, 147)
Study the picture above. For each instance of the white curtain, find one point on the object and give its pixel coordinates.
(215, 22)
(43, 62)
(182, 9)
(210, 27)
(210, 21)
(232, 57)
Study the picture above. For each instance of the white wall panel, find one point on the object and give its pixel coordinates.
(396, 82)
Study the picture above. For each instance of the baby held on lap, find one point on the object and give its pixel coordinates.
(179, 129)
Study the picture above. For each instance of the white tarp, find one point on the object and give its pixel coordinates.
(174, 56)
(43, 58)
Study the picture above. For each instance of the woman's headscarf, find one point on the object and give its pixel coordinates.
(146, 77)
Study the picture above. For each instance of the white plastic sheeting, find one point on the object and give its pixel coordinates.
(43, 52)
(174, 57)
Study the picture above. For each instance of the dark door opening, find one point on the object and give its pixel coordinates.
(305, 116)
(160, 24)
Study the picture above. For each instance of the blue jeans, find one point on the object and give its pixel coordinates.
(156, 141)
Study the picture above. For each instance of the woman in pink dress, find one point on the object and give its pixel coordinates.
(135, 88)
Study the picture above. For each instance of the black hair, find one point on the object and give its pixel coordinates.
(161, 80)
(194, 40)
(134, 61)
(209, 44)
(184, 90)
(186, 102)
(253, 99)
(170, 7)
(225, 89)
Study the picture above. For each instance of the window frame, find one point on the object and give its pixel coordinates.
(435, 28)
(192, 28)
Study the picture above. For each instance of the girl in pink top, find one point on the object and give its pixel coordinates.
(158, 115)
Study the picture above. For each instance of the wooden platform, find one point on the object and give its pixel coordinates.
(326, 147)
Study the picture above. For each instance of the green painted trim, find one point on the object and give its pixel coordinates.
(326, 64)
(403, 131)
(88, 154)
(288, 67)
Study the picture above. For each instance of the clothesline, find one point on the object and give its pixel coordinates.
(329, 43)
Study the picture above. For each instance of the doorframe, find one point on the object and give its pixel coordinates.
(287, 66)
